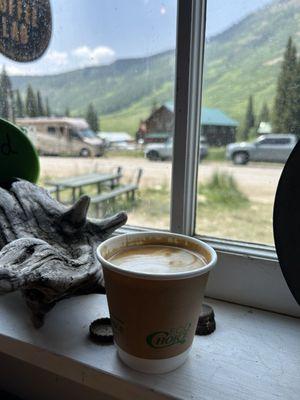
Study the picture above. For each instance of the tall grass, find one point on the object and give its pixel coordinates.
(222, 190)
(216, 154)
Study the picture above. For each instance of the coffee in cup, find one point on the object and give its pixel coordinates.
(160, 259)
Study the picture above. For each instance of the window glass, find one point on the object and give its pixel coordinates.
(73, 134)
(51, 130)
(266, 141)
(108, 78)
(282, 141)
(251, 88)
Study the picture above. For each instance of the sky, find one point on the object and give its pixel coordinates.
(97, 32)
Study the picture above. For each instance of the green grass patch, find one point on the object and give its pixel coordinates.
(154, 202)
(222, 191)
(216, 154)
(109, 208)
(126, 120)
(125, 153)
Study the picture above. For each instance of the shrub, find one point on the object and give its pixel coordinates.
(222, 190)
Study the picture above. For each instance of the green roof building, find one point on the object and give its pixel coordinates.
(217, 127)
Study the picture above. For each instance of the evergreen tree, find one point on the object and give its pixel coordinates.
(19, 106)
(47, 108)
(6, 97)
(40, 106)
(67, 112)
(264, 115)
(92, 118)
(294, 111)
(249, 119)
(31, 103)
(282, 114)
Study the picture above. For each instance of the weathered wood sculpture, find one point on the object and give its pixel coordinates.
(48, 250)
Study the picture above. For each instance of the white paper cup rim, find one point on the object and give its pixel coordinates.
(148, 275)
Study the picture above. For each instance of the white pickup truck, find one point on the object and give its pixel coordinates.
(272, 147)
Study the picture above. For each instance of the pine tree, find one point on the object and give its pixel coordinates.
(249, 119)
(294, 123)
(282, 115)
(31, 103)
(6, 97)
(92, 118)
(47, 108)
(19, 106)
(40, 106)
(264, 115)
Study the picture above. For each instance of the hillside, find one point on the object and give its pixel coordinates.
(111, 87)
(243, 60)
(246, 58)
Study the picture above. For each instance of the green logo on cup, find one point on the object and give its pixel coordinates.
(163, 339)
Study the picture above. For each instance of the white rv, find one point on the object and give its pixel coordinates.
(62, 136)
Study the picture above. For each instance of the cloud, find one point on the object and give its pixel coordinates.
(57, 58)
(96, 56)
(55, 61)
(13, 70)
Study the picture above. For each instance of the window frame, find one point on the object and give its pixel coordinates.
(247, 273)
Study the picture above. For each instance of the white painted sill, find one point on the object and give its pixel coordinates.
(253, 354)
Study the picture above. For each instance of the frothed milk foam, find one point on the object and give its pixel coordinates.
(157, 259)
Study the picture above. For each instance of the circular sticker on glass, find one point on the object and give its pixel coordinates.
(25, 28)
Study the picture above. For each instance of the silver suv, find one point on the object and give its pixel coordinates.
(164, 151)
(272, 147)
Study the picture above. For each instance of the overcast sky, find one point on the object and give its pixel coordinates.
(95, 32)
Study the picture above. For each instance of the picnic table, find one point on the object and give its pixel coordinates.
(127, 189)
(76, 183)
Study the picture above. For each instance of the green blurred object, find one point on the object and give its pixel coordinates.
(18, 157)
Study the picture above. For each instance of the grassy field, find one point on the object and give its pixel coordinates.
(129, 118)
(222, 211)
(216, 154)
(124, 121)
(125, 153)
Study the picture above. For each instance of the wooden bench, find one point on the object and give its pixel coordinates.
(128, 189)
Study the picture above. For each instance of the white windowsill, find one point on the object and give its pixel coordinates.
(252, 354)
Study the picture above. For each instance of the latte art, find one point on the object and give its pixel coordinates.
(157, 259)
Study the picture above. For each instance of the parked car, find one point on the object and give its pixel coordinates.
(62, 136)
(149, 138)
(117, 140)
(164, 151)
(271, 147)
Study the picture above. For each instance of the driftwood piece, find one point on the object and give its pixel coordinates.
(48, 250)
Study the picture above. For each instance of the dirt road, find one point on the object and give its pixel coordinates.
(257, 181)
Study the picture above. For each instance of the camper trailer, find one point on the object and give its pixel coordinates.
(62, 136)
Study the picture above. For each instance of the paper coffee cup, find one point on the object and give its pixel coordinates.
(154, 315)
